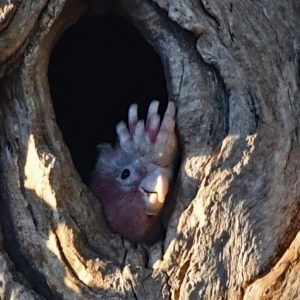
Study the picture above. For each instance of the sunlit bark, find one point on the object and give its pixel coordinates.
(232, 69)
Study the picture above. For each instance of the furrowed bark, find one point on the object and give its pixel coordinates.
(232, 69)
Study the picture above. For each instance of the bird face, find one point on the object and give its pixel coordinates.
(132, 180)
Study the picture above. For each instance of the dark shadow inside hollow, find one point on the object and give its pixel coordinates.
(100, 66)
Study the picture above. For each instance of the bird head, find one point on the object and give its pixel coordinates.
(132, 179)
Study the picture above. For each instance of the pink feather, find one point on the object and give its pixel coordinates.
(132, 180)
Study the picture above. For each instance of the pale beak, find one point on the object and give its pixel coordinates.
(155, 188)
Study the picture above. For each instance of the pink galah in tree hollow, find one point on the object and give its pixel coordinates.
(132, 180)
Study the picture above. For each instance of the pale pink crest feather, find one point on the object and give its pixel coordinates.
(124, 136)
(148, 150)
(153, 119)
(132, 118)
(166, 144)
(155, 139)
(152, 111)
(139, 135)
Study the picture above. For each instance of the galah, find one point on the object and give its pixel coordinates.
(132, 179)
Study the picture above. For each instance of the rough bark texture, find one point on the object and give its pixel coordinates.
(233, 70)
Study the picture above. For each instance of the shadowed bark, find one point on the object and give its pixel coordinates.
(232, 69)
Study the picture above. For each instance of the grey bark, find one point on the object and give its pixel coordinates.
(233, 70)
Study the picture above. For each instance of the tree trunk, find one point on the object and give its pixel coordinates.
(232, 69)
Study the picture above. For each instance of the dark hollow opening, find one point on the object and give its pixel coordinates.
(98, 68)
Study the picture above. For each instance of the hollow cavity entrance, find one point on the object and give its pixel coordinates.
(100, 66)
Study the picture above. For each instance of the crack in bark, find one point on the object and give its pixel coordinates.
(254, 111)
(181, 80)
(133, 291)
(35, 222)
(287, 239)
(34, 279)
(180, 278)
(289, 154)
(232, 36)
(270, 25)
(125, 255)
(213, 17)
(182, 270)
(293, 110)
(297, 63)
(290, 102)
(68, 265)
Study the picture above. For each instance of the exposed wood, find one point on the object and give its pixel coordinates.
(233, 71)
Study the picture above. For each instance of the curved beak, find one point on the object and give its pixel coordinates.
(155, 188)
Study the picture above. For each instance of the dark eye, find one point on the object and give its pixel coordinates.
(125, 174)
